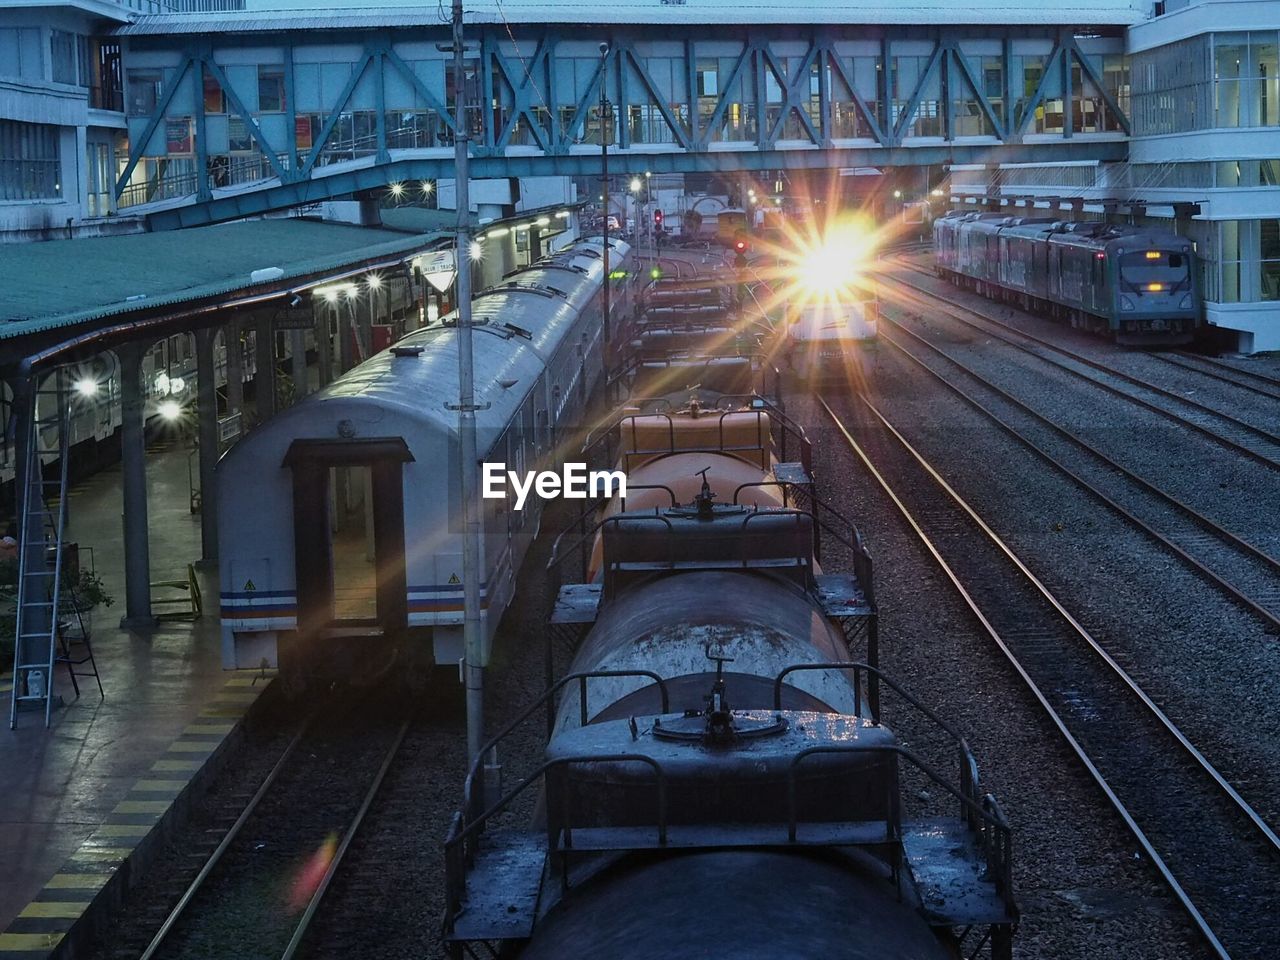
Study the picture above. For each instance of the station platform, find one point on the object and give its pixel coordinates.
(84, 803)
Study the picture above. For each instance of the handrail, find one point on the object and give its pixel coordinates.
(544, 697)
(857, 666)
(989, 813)
(473, 827)
(803, 562)
(579, 522)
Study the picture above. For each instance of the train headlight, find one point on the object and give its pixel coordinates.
(170, 410)
(88, 387)
(1126, 303)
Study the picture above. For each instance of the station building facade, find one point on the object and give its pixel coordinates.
(62, 113)
(1203, 97)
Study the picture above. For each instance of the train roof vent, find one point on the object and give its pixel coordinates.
(411, 350)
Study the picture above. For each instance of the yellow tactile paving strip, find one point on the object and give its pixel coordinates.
(94, 877)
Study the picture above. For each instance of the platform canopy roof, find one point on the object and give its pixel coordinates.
(83, 283)
(277, 15)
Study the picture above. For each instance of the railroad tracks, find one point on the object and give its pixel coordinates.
(260, 889)
(1213, 851)
(1240, 436)
(1245, 573)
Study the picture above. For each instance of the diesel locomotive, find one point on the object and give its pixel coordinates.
(717, 780)
(1138, 285)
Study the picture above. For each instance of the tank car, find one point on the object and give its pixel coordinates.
(1137, 284)
(717, 780)
(340, 544)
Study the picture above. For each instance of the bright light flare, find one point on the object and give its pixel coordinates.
(309, 876)
(87, 387)
(832, 263)
(397, 190)
(170, 410)
(374, 281)
(475, 251)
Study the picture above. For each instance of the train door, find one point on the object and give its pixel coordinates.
(348, 522)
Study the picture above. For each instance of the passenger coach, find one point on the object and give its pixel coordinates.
(339, 525)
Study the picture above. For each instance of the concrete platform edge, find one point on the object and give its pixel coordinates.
(90, 887)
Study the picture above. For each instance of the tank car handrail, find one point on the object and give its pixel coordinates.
(543, 698)
(592, 506)
(803, 562)
(472, 827)
(999, 855)
(463, 832)
(857, 666)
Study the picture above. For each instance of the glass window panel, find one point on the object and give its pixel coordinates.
(270, 89)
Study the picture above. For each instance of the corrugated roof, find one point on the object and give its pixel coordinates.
(278, 15)
(64, 282)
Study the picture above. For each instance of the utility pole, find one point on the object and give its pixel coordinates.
(472, 636)
(606, 131)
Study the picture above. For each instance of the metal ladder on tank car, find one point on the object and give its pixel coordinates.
(40, 596)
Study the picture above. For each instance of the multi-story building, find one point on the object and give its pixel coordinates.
(62, 113)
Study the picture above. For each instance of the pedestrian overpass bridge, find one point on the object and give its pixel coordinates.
(240, 113)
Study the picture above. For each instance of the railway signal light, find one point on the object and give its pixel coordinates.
(657, 219)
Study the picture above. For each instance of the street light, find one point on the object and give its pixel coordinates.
(635, 184)
(606, 132)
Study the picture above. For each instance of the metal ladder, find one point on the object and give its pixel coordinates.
(40, 589)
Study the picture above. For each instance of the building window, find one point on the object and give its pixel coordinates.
(62, 54)
(106, 91)
(215, 100)
(146, 87)
(1269, 264)
(21, 53)
(29, 161)
(100, 173)
(270, 90)
(1245, 79)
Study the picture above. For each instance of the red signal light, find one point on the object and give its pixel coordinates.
(740, 246)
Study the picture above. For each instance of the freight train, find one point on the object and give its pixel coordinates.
(717, 780)
(1137, 284)
(340, 543)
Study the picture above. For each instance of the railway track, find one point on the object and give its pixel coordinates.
(1217, 856)
(258, 892)
(1237, 435)
(1245, 573)
(1215, 369)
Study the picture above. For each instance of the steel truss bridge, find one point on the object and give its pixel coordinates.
(241, 121)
